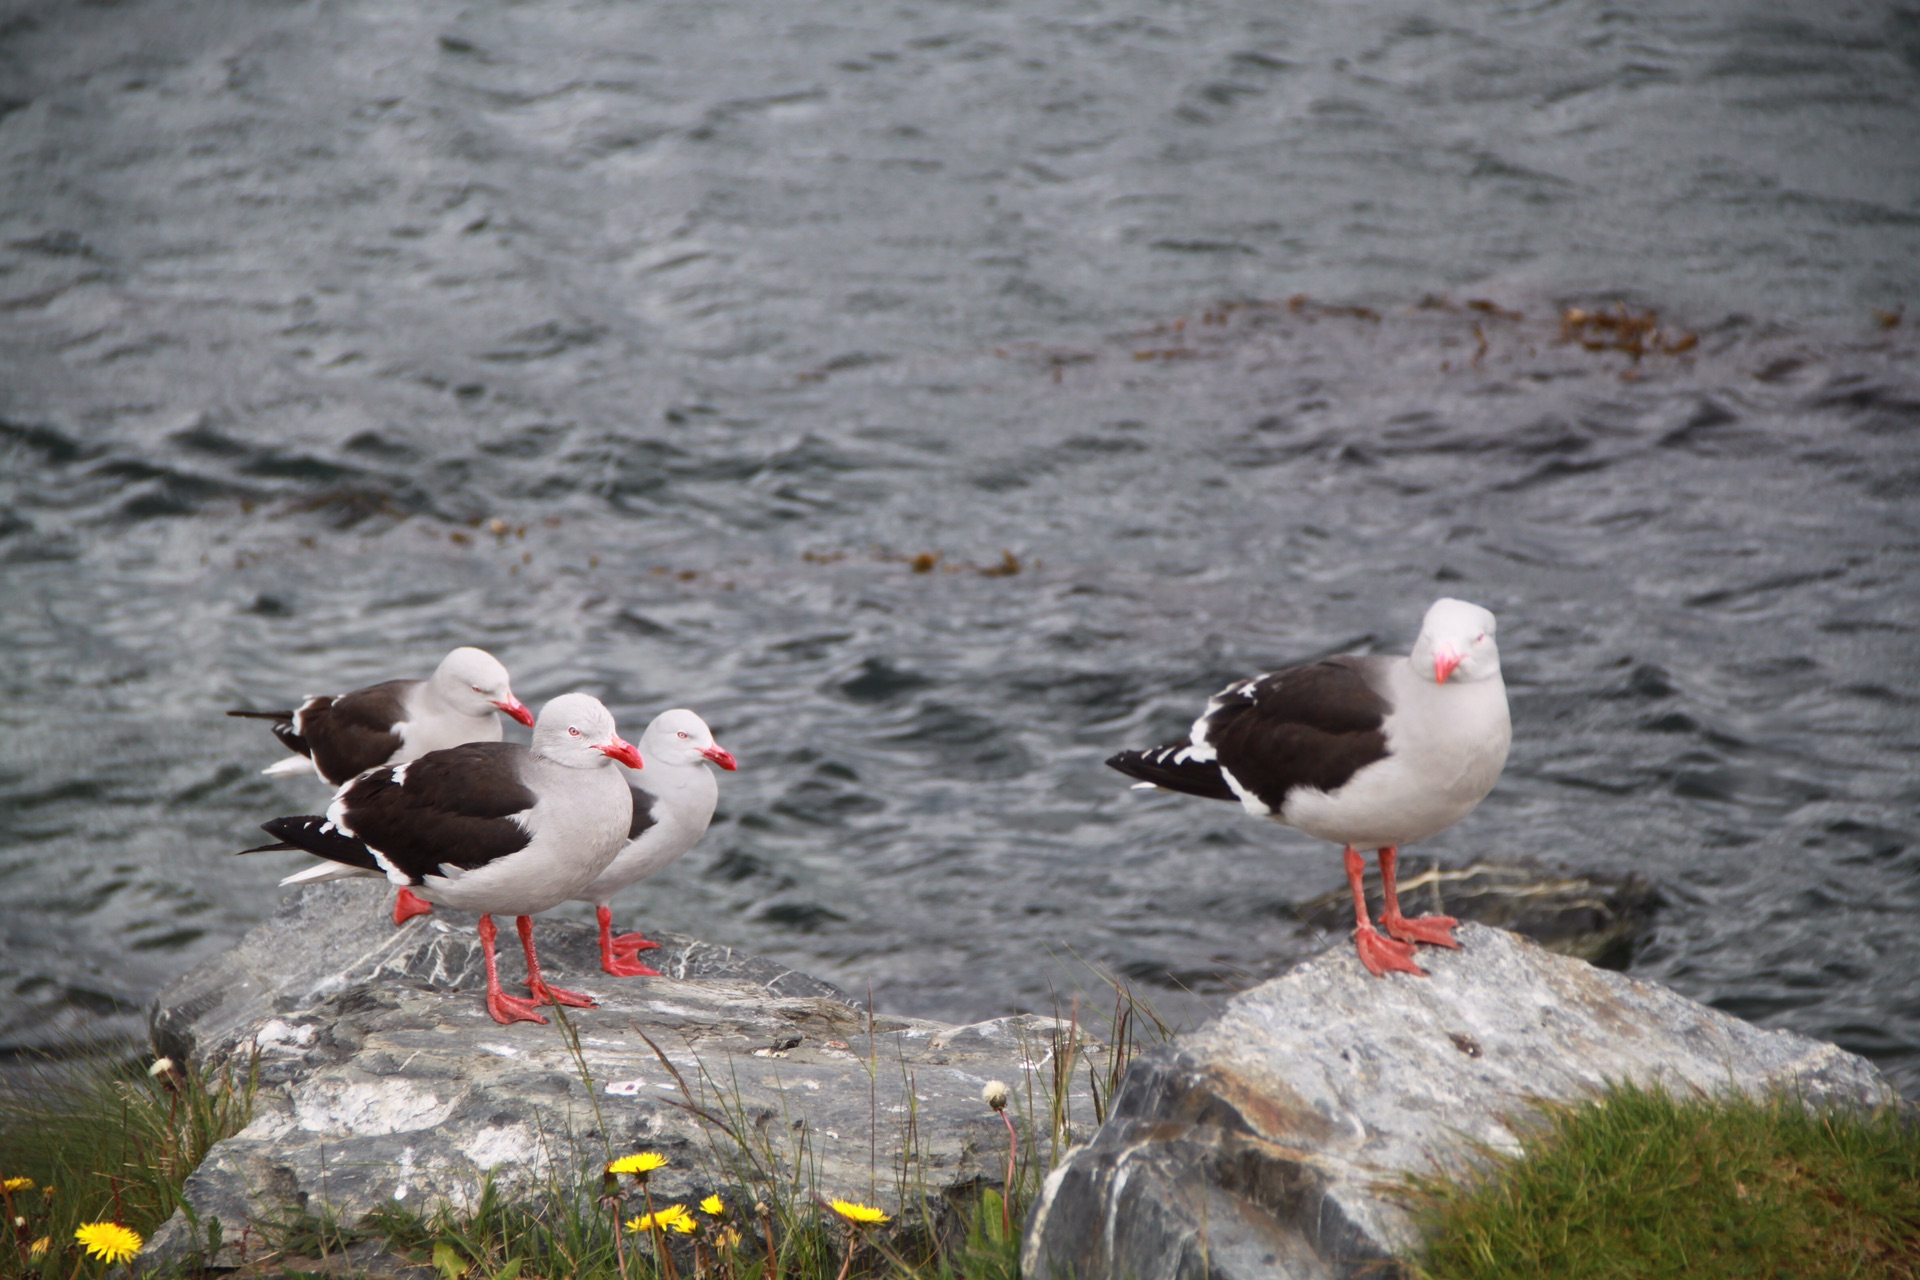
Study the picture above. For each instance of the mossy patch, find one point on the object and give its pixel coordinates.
(1643, 1184)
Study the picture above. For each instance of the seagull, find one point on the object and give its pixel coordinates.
(490, 827)
(671, 810)
(340, 736)
(1367, 752)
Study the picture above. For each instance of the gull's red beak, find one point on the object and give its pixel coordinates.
(623, 751)
(1445, 663)
(721, 756)
(517, 709)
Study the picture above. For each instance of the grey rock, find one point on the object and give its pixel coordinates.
(383, 1078)
(1273, 1140)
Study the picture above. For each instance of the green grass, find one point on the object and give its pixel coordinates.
(571, 1236)
(1643, 1184)
(101, 1139)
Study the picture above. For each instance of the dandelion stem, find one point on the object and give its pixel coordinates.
(846, 1264)
(619, 1237)
(766, 1227)
(1006, 1187)
(662, 1251)
(19, 1235)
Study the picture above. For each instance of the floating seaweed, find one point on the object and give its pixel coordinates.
(1487, 306)
(1621, 329)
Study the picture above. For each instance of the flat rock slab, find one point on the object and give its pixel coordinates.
(383, 1078)
(1271, 1141)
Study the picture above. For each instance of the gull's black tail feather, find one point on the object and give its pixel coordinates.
(320, 837)
(282, 728)
(1166, 767)
(291, 740)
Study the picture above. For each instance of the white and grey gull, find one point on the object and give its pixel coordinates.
(673, 803)
(340, 736)
(490, 827)
(1371, 752)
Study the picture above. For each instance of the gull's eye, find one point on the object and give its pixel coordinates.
(683, 733)
(575, 732)
(1481, 638)
(478, 689)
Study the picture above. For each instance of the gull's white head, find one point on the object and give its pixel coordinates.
(681, 737)
(1456, 644)
(576, 730)
(474, 681)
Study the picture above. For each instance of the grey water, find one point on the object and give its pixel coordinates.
(941, 396)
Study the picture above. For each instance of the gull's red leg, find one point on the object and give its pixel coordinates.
(542, 993)
(408, 905)
(504, 1008)
(626, 964)
(1434, 930)
(1381, 954)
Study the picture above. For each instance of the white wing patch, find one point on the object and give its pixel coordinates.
(300, 716)
(336, 816)
(1252, 803)
(1202, 751)
(394, 874)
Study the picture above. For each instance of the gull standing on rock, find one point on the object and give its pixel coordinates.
(491, 827)
(1368, 752)
(672, 805)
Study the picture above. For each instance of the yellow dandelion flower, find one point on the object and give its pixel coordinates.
(860, 1214)
(672, 1218)
(644, 1162)
(714, 1207)
(18, 1184)
(109, 1240)
(38, 1248)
